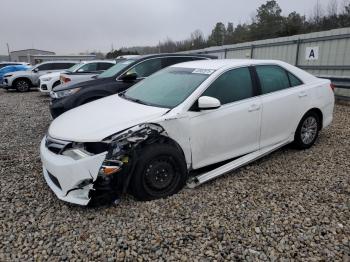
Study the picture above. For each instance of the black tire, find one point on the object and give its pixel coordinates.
(160, 172)
(22, 85)
(307, 131)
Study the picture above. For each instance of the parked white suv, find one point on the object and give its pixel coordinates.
(24, 80)
(85, 69)
(149, 139)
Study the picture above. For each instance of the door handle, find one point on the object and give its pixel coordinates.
(302, 94)
(254, 107)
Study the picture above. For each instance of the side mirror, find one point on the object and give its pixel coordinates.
(208, 103)
(129, 77)
(36, 70)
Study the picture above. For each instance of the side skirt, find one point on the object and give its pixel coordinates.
(235, 164)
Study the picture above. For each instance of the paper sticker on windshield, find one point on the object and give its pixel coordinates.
(203, 71)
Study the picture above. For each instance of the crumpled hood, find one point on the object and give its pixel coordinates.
(97, 120)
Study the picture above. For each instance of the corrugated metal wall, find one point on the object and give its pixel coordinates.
(332, 61)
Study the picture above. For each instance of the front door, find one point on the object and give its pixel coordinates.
(233, 129)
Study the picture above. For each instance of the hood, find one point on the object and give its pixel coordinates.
(19, 73)
(83, 84)
(97, 120)
(54, 74)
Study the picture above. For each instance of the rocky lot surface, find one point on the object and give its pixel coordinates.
(291, 205)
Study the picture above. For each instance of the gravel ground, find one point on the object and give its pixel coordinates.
(291, 205)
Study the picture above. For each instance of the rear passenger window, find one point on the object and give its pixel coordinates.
(104, 66)
(272, 78)
(60, 66)
(147, 68)
(234, 85)
(45, 67)
(294, 81)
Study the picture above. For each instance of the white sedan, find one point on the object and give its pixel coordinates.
(149, 139)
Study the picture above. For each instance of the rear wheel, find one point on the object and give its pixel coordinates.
(307, 131)
(160, 172)
(22, 85)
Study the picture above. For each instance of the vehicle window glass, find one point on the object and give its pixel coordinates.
(232, 86)
(167, 88)
(146, 68)
(104, 66)
(60, 66)
(175, 60)
(45, 67)
(74, 68)
(88, 67)
(116, 69)
(294, 81)
(272, 78)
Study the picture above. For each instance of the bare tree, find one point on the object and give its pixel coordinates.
(332, 8)
(317, 13)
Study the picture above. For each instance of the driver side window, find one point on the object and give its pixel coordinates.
(146, 68)
(232, 86)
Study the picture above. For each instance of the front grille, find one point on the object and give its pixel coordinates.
(54, 180)
(56, 146)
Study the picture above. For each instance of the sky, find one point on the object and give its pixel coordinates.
(73, 26)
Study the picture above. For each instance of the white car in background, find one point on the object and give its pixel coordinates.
(86, 71)
(85, 68)
(191, 122)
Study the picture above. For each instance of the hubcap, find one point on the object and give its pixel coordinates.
(22, 86)
(309, 130)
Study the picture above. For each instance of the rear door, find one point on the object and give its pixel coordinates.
(233, 129)
(284, 101)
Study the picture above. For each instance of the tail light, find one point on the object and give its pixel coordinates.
(332, 86)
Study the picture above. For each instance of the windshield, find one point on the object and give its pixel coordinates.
(116, 69)
(167, 88)
(74, 68)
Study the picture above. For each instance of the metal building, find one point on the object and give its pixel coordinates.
(324, 54)
(25, 55)
(35, 56)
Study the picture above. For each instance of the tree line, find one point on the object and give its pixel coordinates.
(268, 22)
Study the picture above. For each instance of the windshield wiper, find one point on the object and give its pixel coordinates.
(134, 99)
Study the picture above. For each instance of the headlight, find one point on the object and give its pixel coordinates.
(65, 93)
(46, 79)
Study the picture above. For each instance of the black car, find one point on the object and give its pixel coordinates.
(116, 79)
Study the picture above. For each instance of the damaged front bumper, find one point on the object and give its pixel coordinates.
(71, 180)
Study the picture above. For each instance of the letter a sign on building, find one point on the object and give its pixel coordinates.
(312, 53)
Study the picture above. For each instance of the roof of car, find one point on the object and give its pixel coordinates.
(174, 55)
(98, 61)
(217, 64)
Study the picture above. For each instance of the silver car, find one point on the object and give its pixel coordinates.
(22, 81)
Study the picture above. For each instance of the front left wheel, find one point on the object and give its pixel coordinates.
(22, 85)
(160, 172)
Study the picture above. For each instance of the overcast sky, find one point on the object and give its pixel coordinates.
(72, 26)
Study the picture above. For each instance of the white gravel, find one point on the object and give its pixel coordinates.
(291, 205)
